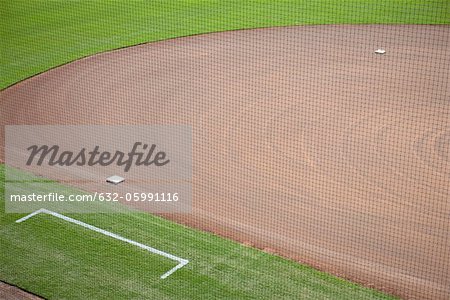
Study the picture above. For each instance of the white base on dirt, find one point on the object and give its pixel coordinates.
(115, 179)
(380, 51)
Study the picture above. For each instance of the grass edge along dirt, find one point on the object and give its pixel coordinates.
(40, 35)
(59, 260)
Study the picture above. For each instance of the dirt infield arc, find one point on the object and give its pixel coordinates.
(306, 142)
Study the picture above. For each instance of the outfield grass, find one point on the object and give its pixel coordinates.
(60, 260)
(38, 35)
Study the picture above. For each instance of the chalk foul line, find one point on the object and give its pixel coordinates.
(181, 261)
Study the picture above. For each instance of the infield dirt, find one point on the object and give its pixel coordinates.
(306, 142)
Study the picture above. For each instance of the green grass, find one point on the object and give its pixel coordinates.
(60, 260)
(39, 34)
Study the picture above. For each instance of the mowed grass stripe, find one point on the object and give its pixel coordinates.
(38, 35)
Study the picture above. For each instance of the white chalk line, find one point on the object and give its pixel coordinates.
(181, 261)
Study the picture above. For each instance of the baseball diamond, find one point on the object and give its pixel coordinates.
(305, 141)
(233, 149)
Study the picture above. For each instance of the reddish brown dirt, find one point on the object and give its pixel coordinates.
(10, 292)
(305, 141)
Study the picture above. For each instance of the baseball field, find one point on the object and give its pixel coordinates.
(309, 149)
